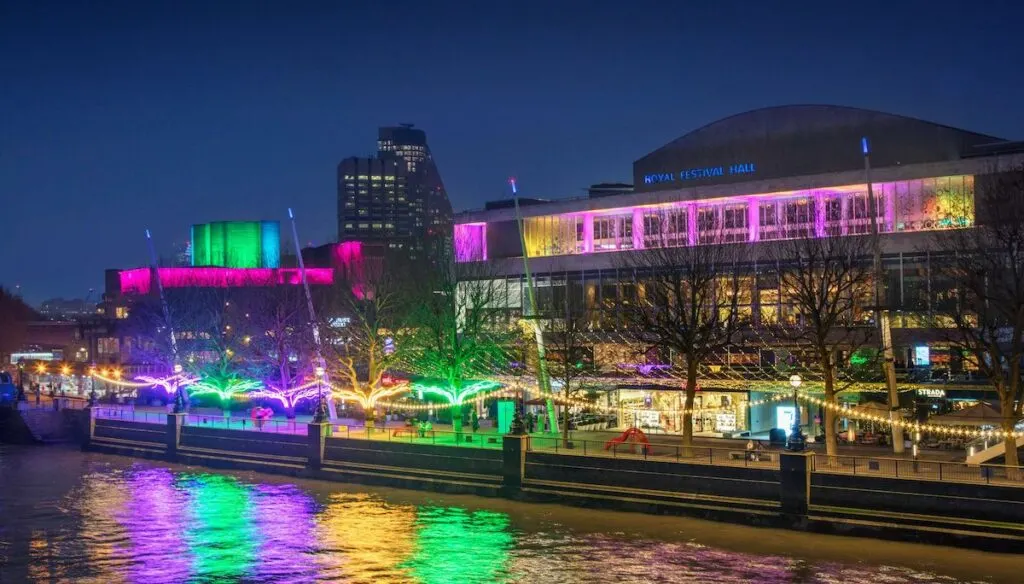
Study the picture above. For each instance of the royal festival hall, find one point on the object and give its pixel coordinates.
(766, 175)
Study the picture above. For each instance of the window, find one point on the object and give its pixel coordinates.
(734, 219)
(799, 218)
(707, 225)
(769, 220)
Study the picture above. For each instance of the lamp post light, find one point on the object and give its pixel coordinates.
(796, 441)
(92, 386)
(320, 415)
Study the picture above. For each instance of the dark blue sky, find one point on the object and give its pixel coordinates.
(116, 116)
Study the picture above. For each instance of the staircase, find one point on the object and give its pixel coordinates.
(45, 425)
(997, 450)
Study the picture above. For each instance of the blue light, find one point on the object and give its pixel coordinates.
(864, 145)
(512, 181)
(148, 236)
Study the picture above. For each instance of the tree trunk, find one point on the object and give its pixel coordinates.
(1009, 421)
(565, 425)
(289, 412)
(831, 439)
(691, 395)
(457, 421)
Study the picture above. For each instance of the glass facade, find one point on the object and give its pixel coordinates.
(904, 206)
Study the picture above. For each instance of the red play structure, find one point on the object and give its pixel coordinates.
(630, 436)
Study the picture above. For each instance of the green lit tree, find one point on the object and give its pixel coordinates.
(458, 337)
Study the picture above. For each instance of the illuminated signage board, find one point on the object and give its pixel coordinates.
(700, 173)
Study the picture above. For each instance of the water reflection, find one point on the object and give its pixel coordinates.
(455, 545)
(125, 522)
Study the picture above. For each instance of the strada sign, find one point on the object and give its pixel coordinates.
(700, 173)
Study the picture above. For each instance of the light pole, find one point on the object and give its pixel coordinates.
(320, 415)
(796, 438)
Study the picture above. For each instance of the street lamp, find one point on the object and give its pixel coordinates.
(320, 415)
(92, 386)
(796, 438)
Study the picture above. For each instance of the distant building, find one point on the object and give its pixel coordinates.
(396, 196)
(236, 244)
(609, 189)
(66, 308)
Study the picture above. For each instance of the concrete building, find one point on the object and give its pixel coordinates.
(766, 175)
(396, 196)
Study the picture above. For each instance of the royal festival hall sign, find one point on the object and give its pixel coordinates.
(700, 173)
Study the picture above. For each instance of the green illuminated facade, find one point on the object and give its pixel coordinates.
(237, 244)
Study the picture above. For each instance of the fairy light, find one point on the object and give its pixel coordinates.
(169, 384)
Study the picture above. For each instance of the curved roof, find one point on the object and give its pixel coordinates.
(797, 140)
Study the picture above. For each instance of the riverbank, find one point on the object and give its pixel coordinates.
(94, 517)
(936, 502)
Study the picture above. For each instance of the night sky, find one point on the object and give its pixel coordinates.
(117, 116)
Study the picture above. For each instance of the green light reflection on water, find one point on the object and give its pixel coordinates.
(456, 545)
(221, 533)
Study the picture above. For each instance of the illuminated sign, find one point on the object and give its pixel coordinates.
(933, 393)
(700, 173)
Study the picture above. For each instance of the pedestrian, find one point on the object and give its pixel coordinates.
(750, 449)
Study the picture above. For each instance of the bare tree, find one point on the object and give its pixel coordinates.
(687, 303)
(822, 279)
(366, 334)
(274, 337)
(984, 318)
(569, 354)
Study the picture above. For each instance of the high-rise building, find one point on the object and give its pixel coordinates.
(396, 196)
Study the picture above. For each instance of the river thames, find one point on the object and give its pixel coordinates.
(67, 516)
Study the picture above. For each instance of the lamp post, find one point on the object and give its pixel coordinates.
(320, 415)
(179, 397)
(92, 386)
(796, 441)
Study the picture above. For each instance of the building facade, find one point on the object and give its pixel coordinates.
(396, 196)
(755, 178)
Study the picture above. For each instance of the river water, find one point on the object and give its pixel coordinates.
(66, 516)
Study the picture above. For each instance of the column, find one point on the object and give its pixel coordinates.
(753, 220)
(588, 233)
(174, 423)
(316, 438)
(819, 215)
(844, 209)
(638, 229)
(87, 428)
(889, 200)
(691, 224)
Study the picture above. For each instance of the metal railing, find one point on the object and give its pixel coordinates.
(900, 468)
(413, 435)
(739, 456)
(129, 415)
(221, 422)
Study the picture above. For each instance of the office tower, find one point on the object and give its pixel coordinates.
(395, 196)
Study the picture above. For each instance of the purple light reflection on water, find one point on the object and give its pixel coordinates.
(284, 519)
(154, 520)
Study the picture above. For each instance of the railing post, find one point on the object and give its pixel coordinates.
(795, 483)
(940, 470)
(513, 467)
(584, 448)
(316, 437)
(173, 437)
